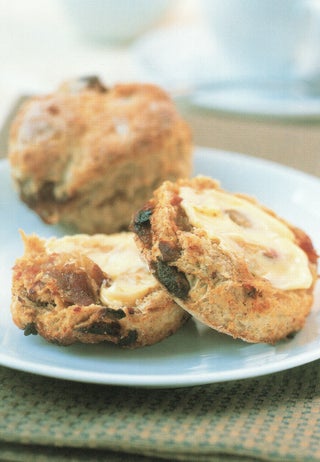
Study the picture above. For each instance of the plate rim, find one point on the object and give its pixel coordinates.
(156, 381)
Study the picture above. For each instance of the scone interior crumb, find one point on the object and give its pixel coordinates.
(229, 261)
(91, 289)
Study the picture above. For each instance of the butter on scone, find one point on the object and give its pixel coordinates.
(226, 259)
(88, 156)
(90, 289)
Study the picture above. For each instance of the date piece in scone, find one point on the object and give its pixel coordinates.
(230, 262)
(90, 289)
(89, 156)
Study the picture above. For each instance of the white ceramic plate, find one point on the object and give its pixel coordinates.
(186, 61)
(196, 354)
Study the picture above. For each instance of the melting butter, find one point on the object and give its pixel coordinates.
(265, 243)
(130, 276)
(119, 258)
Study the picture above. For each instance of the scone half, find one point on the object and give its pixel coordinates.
(230, 262)
(90, 289)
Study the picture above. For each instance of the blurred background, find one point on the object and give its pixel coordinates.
(244, 73)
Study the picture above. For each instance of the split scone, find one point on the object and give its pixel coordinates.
(230, 262)
(89, 156)
(90, 289)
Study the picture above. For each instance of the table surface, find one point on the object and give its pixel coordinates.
(272, 418)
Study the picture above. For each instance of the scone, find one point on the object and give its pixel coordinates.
(90, 289)
(230, 262)
(88, 156)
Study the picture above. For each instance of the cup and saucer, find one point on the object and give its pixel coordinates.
(248, 57)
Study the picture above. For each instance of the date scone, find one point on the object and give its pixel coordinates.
(90, 289)
(89, 156)
(230, 262)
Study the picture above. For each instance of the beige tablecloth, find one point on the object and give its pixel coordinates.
(294, 143)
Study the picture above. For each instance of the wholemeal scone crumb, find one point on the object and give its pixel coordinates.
(90, 289)
(227, 260)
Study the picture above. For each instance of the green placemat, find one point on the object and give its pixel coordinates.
(271, 418)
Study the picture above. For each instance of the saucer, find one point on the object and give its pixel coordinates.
(185, 61)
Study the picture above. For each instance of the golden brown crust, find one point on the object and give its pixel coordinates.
(214, 285)
(57, 294)
(89, 156)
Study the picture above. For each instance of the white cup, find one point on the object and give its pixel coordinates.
(114, 21)
(265, 39)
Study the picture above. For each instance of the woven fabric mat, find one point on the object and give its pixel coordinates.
(271, 418)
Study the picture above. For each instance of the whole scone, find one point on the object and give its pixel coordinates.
(90, 289)
(230, 262)
(88, 156)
